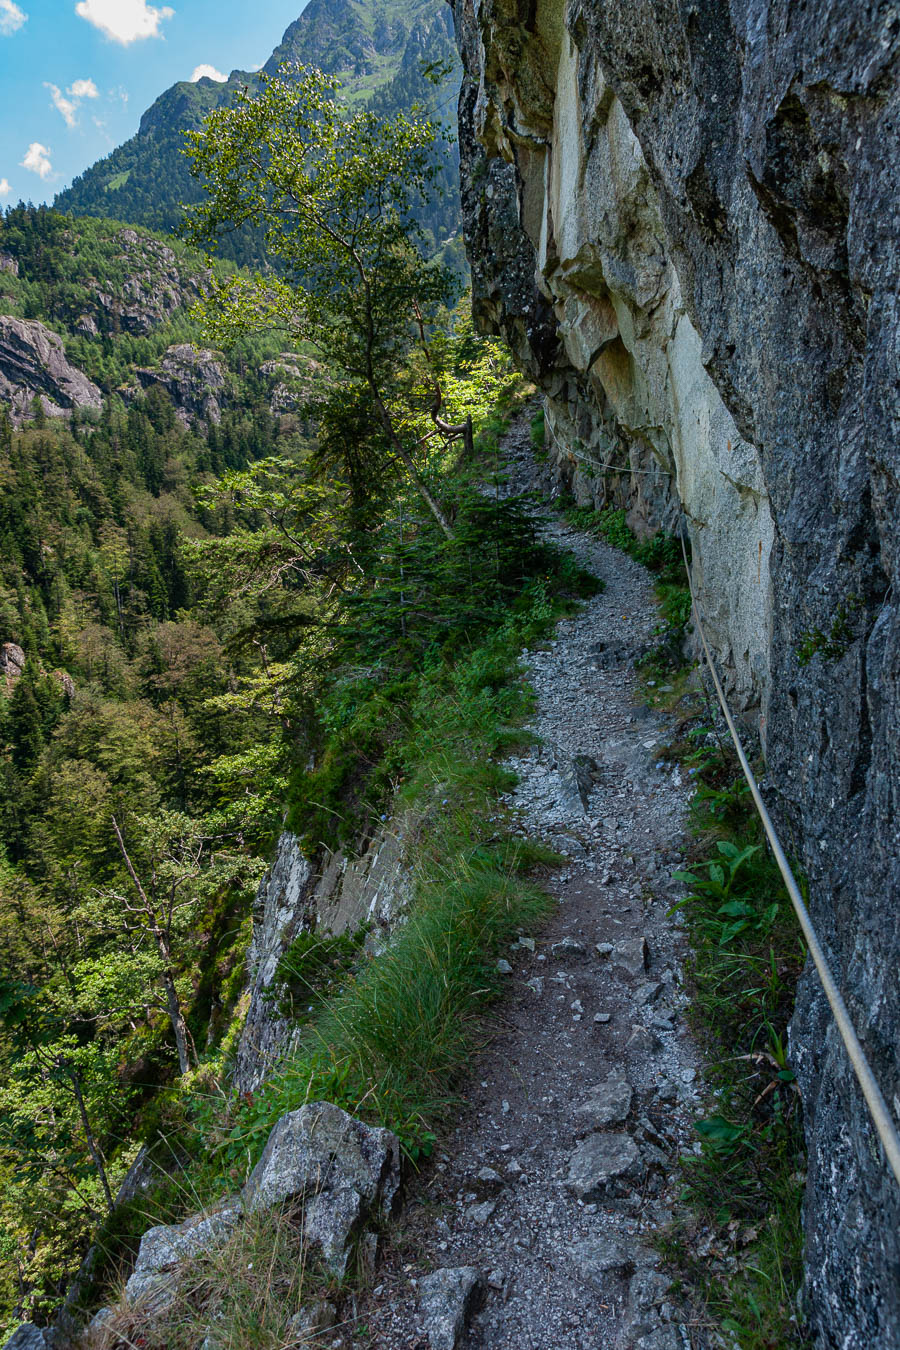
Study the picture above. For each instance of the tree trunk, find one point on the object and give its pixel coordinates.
(406, 459)
(94, 1151)
(176, 1016)
(423, 491)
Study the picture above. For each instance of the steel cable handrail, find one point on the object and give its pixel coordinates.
(884, 1124)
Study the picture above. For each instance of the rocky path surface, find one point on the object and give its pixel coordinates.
(533, 1228)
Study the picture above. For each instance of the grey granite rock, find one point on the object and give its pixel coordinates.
(603, 1166)
(195, 380)
(630, 955)
(320, 1147)
(329, 1220)
(27, 1337)
(154, 1280)
(447, 1298)
(33, 363)
(598, 1259)
(607, 1104)
(309, 1321)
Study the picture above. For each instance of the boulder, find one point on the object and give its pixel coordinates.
(329, 1221)
(312, 1320)
(603, 1166)
(163, 1250)
(322, 1148)
(294, 380)
(598, 1258)
(101, 1331)
(607, 1104)
(447, 1298)
(28, 1337)
(631, 955)
(33, 363)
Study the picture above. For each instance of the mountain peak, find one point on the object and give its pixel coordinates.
(374, 47)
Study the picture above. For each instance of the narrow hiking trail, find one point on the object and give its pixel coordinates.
(546, 1197)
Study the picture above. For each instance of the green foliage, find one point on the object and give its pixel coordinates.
(336, 195)
(390, 1045)
(116, 713)
(311, 969)
(147, 180)
(747, 1182)
(833, 645)
(70, 272)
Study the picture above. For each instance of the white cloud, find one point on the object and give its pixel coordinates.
(11, 19)
(123, 21)
(208, 73)
(66, 106)
(5, 189)
(83, 89)
(37, 160)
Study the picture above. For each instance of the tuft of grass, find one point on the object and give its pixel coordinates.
(744, 1187)
(539, 435)
(239, 1295)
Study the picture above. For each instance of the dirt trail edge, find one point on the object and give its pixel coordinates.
(533, 1228)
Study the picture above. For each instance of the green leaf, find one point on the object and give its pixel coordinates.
(735, 909)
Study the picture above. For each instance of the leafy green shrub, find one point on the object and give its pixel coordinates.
(747, 1181)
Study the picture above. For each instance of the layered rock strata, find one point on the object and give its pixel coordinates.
(684, 219)
(33, 364)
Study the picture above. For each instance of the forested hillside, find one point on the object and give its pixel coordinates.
(211, 614)
(381, 56)
(118, 700)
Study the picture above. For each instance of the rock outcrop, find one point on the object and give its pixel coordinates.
(195, 380)
(684, 219)
(33, 363)
(12, 664)
(334, 1174)
(336, 896)
(157, 286)
(295, 382)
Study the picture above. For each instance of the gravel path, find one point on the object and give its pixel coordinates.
(534, 1224)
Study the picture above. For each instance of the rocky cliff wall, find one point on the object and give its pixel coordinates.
(683, 216)
(336, 894)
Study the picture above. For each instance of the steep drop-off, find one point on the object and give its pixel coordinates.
(683, 218)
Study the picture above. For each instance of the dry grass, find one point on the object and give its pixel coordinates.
(252, 1292)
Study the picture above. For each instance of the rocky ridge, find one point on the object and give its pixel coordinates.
(683, 218)
(340, 1175)
(343, 891)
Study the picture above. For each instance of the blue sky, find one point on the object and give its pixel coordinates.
(76, 75)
